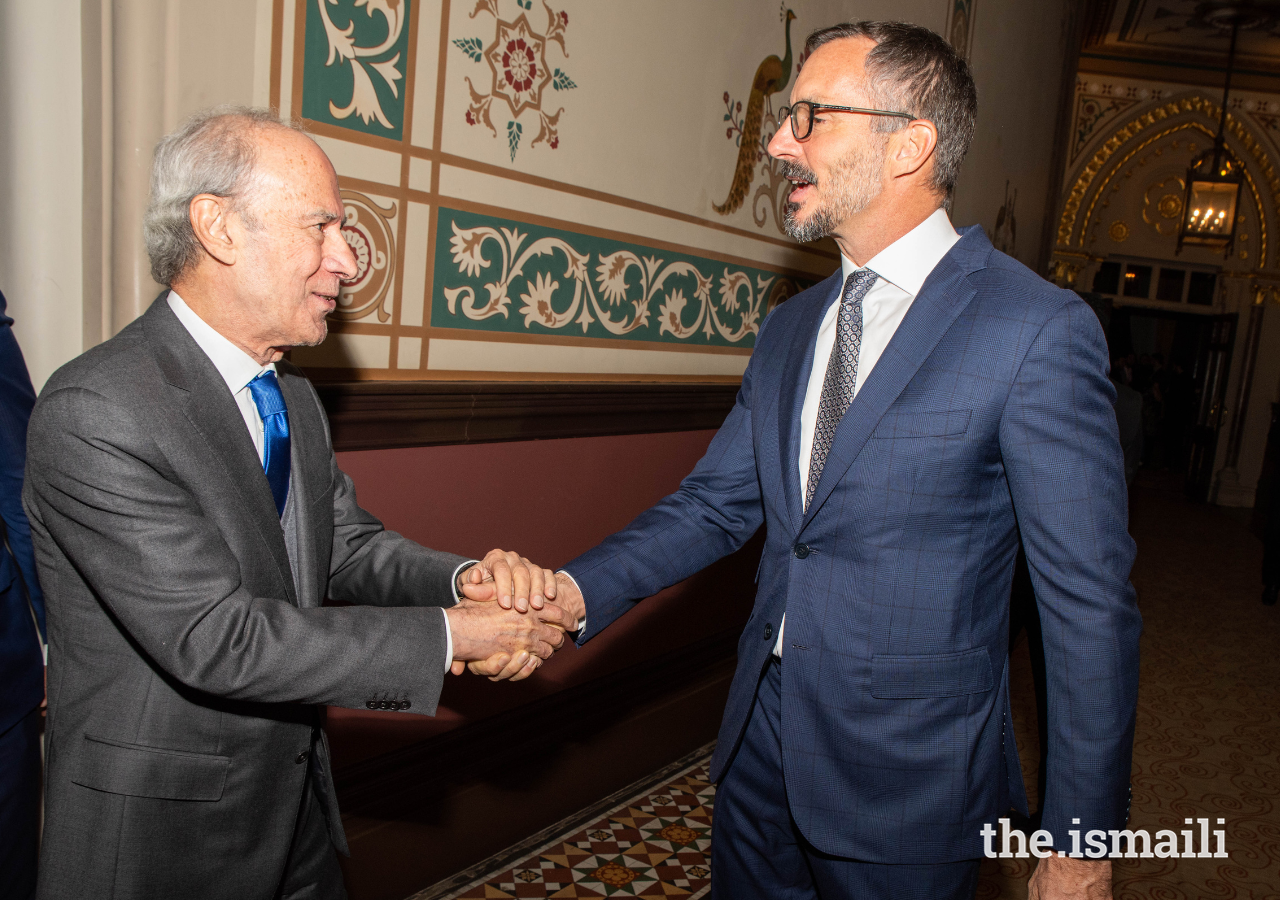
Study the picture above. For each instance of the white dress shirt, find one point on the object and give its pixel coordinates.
(903, 267)
(237, 369)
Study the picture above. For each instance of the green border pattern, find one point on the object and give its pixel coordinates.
(499, 275)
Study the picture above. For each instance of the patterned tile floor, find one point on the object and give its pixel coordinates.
(655, 845)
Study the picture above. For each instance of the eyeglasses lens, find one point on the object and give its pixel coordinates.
(801, 120)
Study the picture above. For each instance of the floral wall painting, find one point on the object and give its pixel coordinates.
(519, 76)
(752, 130)
(493, 274)
(368, 228)
(354, 64)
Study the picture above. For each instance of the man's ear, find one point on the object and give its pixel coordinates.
(913, 147)
(210, 220)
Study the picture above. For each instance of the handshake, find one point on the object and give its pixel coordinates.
(507, 623)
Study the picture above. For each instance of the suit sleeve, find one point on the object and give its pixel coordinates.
(1062, 454)
(158, 563)
(715, 511)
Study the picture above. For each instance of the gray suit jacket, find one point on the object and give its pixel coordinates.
(186, 666)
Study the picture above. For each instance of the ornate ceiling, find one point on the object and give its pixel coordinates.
(1183, 40)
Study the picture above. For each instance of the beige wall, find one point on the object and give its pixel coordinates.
(40, 182)
(642, 155)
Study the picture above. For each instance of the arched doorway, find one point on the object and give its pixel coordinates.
(1189, 324)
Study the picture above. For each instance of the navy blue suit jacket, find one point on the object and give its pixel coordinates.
(21, 659)
(989, 413)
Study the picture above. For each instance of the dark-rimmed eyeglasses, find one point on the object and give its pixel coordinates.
(802, 111)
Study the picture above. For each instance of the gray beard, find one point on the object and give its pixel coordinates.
(854, 184)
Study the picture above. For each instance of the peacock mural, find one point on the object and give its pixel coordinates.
(772, 75)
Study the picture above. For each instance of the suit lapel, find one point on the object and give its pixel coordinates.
(794, 385)
(202, 396)
(310, 469)
(943, 296)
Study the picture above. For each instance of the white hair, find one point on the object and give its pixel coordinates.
(213, 153)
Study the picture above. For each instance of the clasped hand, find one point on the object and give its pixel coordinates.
(509, 638)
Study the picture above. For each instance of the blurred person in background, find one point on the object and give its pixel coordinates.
(21, 635)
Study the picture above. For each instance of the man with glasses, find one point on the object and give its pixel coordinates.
(898, 426)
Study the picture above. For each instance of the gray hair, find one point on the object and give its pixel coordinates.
(913, 70)
(213, 153)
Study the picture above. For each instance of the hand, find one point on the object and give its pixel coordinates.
(505, 643)
(509, 578)
(569, 598)
(1061, 877)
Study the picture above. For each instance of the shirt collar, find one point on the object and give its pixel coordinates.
(908, 261)
(236, 367)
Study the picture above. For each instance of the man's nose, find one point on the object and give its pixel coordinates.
(342, 261)
(783, 143)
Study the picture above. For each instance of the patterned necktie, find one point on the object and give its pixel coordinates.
(275, 433)
(842, 374)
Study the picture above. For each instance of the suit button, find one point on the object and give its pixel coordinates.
(802, 550)
(768, 630)
(371, 704)
(302, 757)
(385, 704)
(397, 705)
(406, 704)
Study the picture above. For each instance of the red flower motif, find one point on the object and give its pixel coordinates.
(519, 66)
(555, 142)
(564, 18)
(471, 120)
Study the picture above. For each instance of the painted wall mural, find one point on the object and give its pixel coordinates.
(499, 275)
(519, 74)
(369, 229)
(355, 49)
(751, 132)
(571, 189)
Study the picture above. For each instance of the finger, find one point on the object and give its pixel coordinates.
(491, 666)
(529, 668)
(555, 615)
(458, 667)
(548, 585)
(501, 569)
(485, 591)
(537, 584)
(546, 642)
(474, 575)
(520, 581)
(517, 663)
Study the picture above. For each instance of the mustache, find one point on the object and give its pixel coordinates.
(793, 170)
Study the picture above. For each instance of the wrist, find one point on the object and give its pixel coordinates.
(569, 597)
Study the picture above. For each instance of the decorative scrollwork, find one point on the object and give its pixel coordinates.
(621, 296)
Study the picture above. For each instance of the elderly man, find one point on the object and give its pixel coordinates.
(898, 425)
(190, 518)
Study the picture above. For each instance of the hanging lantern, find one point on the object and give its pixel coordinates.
(1209, 210)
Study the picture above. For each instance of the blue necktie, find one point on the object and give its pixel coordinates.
(275, 433)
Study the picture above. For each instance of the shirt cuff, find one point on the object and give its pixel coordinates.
(582, 623)
(448, 634)
(453, 580)
(448, 641)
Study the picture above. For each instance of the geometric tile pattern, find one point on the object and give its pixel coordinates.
(655, 845)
